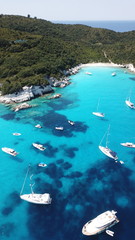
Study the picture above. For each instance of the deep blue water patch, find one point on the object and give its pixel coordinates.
(9, 116)
(6, 211)
(70, 152)
(82, 201)
(74, 175)
(60, 161)
(66, 165)
(54, 171)
(53, 119)
(6, 229)
(132, 78)
(50, 151)
(61, 103)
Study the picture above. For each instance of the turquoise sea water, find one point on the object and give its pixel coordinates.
(82, 181)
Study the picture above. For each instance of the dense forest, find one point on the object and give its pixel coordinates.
(32, 50)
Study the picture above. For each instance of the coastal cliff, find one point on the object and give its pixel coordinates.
(26, 94)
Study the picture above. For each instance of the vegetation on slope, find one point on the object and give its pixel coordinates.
(31, 50)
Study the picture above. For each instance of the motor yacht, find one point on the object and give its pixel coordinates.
(88, 73)
(101, 223)
(128, 144)
(71, 122)
(39, 146)
(9, 151)
(42, 164)
(59, 128)
(38, 126)
(16, 134)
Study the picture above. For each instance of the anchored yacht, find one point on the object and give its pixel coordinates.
(130, 104)
(16, 134)
(88, 73)
(59, 128)
(9, 151)
(71, 122)
(38, 126)
(39, 146)
(98, 114)
(34, 197)
(42, 164)
(128, 144)
(107, 151)
(37, 198)
(101, 223)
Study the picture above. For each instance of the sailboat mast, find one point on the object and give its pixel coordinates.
(25, 180)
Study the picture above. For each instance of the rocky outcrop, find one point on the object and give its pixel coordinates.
(26, 94)
(21, 106)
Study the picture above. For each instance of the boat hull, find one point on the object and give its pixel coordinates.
(130, 104)
(98, 114)
(37, 198)
(90, 227)
(130, 145)
(108, 152)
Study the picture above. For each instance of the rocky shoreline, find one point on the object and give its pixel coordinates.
(28, 93)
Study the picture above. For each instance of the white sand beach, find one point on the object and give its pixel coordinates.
(129, 67)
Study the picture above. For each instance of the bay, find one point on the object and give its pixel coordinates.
(82, 181)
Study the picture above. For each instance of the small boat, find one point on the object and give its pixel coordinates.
(71, 122)
(129, 103)
(111, 233)
(16, 134)
(42, 164)
(128, 144)
(88, 73)
(59, 128)
(38, 126)
(114, 74)
(121, 162)
(101, 223)
(107, 151)
(39, 146)
(35, 197)
(9, 151)
(97, 113)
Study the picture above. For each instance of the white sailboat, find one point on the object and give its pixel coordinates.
(107, 151)
(129, 103)
(34, 197)
(97, 113)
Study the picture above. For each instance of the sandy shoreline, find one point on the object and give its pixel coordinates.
(129, 67)
(100, 64)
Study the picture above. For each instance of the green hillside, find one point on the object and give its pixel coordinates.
(31, 50)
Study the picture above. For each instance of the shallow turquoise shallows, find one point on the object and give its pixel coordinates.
(82, 181)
